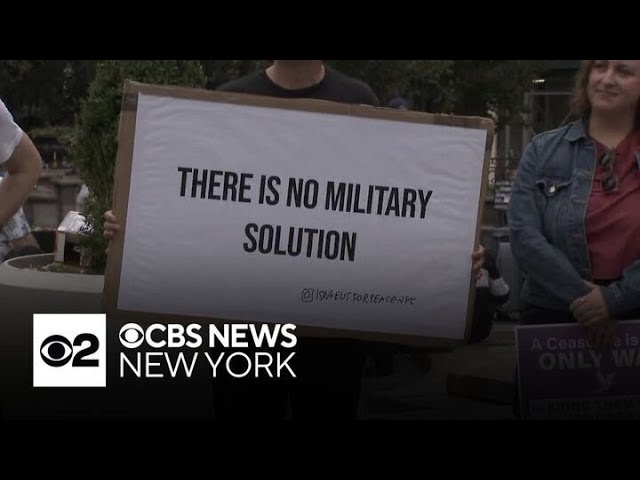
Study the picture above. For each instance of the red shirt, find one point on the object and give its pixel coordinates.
(613, 219)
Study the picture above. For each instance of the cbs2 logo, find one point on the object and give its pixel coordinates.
(56, 350)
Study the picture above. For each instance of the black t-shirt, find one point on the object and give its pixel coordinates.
(335, 87)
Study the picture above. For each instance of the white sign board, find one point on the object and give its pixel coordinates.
(256, 213)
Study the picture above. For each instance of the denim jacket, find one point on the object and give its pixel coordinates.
(547, 223)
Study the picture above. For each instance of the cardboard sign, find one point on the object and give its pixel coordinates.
(561, 376)
(349, 220)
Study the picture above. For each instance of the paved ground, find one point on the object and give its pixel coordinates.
(474, 382)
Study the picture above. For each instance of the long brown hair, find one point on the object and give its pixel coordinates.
(581, 106)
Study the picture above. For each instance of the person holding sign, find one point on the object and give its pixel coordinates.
(328, 370)
(16, 239)
(491, 292)
(574, 215)
(21, 161)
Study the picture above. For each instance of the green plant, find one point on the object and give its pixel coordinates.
(95, 147)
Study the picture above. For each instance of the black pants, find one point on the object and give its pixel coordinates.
(484, 312)
(327, 385)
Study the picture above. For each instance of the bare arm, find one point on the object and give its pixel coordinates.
(23, 170)
(478, 260)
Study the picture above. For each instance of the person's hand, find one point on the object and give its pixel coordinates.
(591, 310)
(490, 266)
(602, 336)
(111, 226)
(478, 262)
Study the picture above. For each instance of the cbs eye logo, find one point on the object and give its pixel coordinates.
(69, 350)
(131, 335)
(56, 351)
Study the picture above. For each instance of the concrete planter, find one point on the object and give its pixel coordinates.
(22, 273)
(24, 290)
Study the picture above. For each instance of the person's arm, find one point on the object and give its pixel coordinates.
(541, 261)
(369, 97)
(111, 227)
(23, 169)
(477, 262)
(623, 297)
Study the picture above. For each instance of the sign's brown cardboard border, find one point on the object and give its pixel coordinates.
(124, 160)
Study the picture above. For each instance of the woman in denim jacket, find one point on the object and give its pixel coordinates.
(575, 208)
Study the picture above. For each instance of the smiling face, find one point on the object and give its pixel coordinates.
(614, 86)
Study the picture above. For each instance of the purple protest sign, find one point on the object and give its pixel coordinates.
(561, 376)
